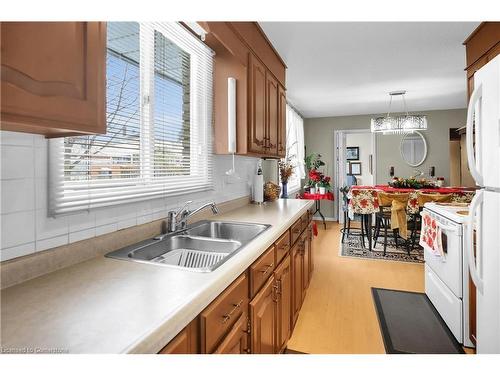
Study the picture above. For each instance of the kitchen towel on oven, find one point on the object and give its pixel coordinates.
(430, 235)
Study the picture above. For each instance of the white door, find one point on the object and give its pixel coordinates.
(485, 268)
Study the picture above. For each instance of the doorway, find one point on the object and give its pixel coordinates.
(355, 161)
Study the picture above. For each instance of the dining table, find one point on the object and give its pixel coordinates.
(363, 200)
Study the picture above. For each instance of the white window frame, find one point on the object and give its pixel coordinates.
(295, 133)
(71, 196)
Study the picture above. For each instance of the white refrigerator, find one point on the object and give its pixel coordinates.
(483, 153)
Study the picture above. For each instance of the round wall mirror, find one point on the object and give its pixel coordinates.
(413, 149)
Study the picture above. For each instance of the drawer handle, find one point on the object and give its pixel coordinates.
(285, 247)
(227, 317)
(268, 267)
(296, 230)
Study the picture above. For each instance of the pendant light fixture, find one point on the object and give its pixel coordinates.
(398, 124)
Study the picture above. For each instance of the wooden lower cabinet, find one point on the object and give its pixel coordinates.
(283, 277)
(297, 261)
(217, 320)
(263, 319)
(186, 342)
(236, 341)
(232, 324)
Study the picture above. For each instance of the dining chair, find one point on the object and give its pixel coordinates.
(392, 213)
(346, 230)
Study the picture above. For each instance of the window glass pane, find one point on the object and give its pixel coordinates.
(172, 114)
(116, 153)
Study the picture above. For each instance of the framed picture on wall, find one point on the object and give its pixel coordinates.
(355, 168)
(352, 153)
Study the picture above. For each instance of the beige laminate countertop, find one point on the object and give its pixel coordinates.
(107, 305)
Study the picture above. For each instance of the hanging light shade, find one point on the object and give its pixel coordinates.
(398, 124)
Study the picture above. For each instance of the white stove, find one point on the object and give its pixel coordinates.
(453, 213)
(447, 276)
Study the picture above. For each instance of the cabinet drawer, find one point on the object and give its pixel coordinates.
(309, 215)
(305, 220)
(218, 318)
(261, 269)
(236, 341)
(282, 246)
(295, 230)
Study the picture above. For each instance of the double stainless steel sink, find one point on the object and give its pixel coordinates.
(202, 246)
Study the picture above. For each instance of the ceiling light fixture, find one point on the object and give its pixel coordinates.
(398, 124)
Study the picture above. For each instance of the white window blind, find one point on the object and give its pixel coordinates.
(295, 147)
(158, 141)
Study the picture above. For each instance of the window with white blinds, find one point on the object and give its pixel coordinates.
(295, 147)
(159, 115)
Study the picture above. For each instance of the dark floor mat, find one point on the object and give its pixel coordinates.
(411, 324)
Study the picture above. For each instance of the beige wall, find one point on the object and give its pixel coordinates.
(319, 137)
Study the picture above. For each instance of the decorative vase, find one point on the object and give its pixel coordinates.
(312, 190)
(284, 190)
(322, 190)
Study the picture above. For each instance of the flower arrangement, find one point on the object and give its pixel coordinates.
(411, 183)
(286, 169)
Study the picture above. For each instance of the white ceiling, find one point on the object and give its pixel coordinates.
(348, 68)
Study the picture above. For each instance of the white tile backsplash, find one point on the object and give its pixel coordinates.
(26, 228)
(17, 162)
(18, 228)
(17, 195)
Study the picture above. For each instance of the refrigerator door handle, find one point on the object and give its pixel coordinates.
(474, 273)
(469, 134)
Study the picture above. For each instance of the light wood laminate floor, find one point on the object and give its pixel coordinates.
(338, 315)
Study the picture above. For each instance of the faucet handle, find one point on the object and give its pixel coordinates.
(180, 210)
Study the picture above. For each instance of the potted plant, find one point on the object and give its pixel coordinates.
(314, 179)
(286, 171)
(324, 184)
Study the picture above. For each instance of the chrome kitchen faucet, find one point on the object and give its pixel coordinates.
(177, 220)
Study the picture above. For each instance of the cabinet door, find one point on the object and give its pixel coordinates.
(283, 276)
(282, 123)
(306, 254)
(53, 77)
(297, 276)
(272, 92)
(263, 319)
(257, 106)
(311, 251)
(236, 341)
(186, 342)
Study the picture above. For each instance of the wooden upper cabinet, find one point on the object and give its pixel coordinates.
(481, 46)
(263, 320)
(282, 123)
(53, 77)
(257, 137)
(272, 100)
(242, 51)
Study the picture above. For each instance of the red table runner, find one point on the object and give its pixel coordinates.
(316, 197)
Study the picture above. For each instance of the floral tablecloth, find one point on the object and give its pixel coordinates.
(364, 199)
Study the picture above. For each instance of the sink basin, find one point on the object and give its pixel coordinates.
(202, 246)
(242, 232)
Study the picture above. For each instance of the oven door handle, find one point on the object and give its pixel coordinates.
(446, 228)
